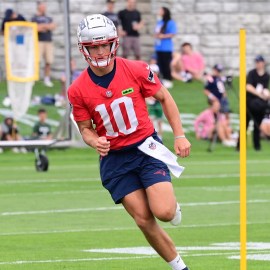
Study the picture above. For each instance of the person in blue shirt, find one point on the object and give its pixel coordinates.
(164, 32)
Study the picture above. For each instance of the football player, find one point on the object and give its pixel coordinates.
(108, 101)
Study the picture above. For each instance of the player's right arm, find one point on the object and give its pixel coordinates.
(91, 138)
(83, 119)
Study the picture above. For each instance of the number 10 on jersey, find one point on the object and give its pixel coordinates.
(123, 114)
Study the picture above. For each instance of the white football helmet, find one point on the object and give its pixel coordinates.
(96, 30)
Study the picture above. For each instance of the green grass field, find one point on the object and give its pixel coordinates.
(64, 219)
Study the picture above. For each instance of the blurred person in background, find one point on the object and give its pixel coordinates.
(131, 23)
(154, 106)
(257, 97)
(46, 49)
(164, 32)
(11, 16)
(187, 64)
(210, 121)
(42, 130)
(215, 89)
(10, 132)
(75, 73)
(111, 14)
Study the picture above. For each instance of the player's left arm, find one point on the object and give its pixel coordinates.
(181, 145)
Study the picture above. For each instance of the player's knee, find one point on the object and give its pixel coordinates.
(165, 214)
(144, 222)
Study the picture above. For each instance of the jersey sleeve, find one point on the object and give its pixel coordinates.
(148, 79)
(79, 110)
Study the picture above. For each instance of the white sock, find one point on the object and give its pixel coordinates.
(177, 263)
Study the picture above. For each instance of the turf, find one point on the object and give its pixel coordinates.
(49, 220)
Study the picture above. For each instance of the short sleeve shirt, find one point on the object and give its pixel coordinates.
(119, 111)
(127, 18)
(166, 44)
(216, 86)
(112, 16)
(42, 130)
(257, 81)
(43, 36)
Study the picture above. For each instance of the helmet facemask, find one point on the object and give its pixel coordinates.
(114, 43)
(96, 30)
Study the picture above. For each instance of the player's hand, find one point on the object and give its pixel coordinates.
(182, 147)
(102, 146)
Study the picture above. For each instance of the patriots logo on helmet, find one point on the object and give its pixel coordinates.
(82, 25)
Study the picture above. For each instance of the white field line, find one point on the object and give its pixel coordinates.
(49, 193)
(40, 181)
(195, 176)
(57, 211)
(224, 175)
(227, 162)
(119, 258)
(129, 228)
(73, 166)
(220, 254)
(255, 257)
(222, 203)
(233, 188)
(82, 260)
(94, 209)
(53, 167)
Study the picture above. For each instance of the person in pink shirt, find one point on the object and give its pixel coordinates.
(188, 64)
(210, 120)
(205, 122)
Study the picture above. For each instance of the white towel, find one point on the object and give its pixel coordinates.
(153, 148)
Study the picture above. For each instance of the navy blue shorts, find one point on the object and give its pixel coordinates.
(125, 171)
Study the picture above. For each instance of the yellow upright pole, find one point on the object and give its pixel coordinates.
(243, 153)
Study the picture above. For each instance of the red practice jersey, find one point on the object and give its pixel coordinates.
(118, 112)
